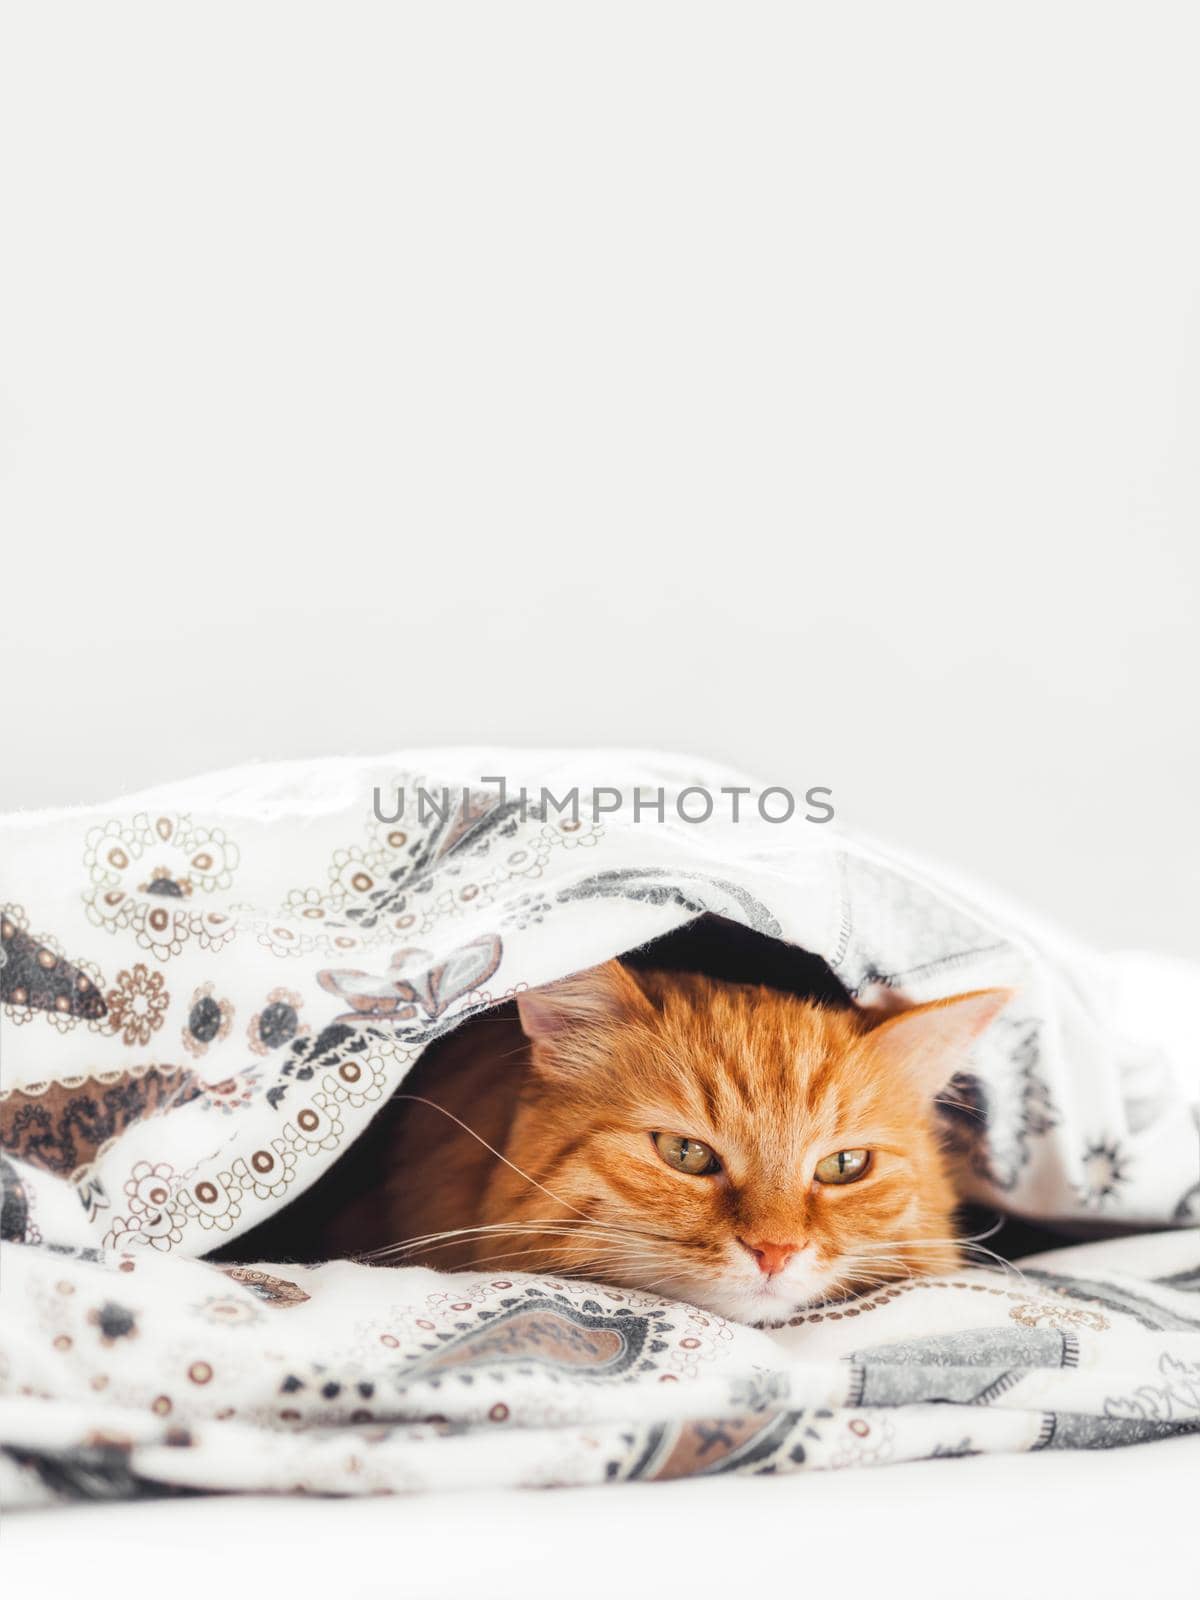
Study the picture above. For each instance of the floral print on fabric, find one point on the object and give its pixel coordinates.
(209, 1020)
(199, 1024)
(138, 1004)
(158, 877)
(352, 1380)
(278, 1022)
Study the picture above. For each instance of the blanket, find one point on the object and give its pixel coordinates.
(208, 991)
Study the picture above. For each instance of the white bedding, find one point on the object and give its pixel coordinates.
(204, 1006)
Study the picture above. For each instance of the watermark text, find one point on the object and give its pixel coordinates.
(693, 805)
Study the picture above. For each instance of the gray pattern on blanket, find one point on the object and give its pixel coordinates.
(206, 996)
(155, 1373)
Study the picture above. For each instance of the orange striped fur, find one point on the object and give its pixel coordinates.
(572, 1090)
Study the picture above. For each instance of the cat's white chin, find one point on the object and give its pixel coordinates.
(758, 1303)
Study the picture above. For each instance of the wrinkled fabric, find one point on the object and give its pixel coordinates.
(210, 989)
(140, 1372)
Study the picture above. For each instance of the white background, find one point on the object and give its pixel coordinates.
(813, 387)
(1106, 1524)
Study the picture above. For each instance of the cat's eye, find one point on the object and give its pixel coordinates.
(847, 1166)
(686, 1155)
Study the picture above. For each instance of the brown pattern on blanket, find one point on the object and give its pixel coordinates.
(302, 949)
(59, 1127)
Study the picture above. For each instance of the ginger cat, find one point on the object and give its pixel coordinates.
(717, 1142)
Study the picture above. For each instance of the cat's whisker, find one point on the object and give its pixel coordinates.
(665, 1277)
(562, 1252)
(986, 1255)
(420, 1099)
(988, 1233)
(957, 1240)
(505, 1257)
(496, 1231)
(971, 1241)
(582, 1223)
(835, 1294)
(602, 1258)
(1005, 1267)
(969, 1246)
(592, 1136)
(521, 1173)
(862, 1277)
(530, 1225)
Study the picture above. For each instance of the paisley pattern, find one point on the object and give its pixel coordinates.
(353, 1380)
(35, 977)
(60, 1127)
(207, 992)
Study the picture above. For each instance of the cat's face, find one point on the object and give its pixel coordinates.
(729, 1145)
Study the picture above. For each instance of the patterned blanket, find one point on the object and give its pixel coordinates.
(208, 990)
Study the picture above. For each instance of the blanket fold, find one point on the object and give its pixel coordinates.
(208, 990)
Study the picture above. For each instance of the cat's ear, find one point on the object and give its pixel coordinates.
(929, 1044)
(582, 1005)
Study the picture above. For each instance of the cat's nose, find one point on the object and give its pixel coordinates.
(771, 1258)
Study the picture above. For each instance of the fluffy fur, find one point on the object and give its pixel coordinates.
(526, 1143)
